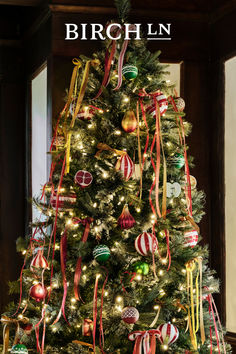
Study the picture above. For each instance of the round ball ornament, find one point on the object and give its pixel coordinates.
(190, 238)
(83, 178)
(173, 190)
(101, 253)
(39, 261)
(130, 72)
(85, 113)
(65, 201)
(130, 315)
(38, 292)
(169, 333)
(141, 267)
(19, 348)
(177, 160)
(129, 122)
(126, 166)
(87, 327)
(180, 104)
(162, 102)
(146, 243)
(193, 182)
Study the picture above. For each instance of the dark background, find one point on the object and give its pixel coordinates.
(32, 32)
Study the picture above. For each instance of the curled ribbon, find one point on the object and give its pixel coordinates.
(104, 147)
(7, 322)
(142, 341)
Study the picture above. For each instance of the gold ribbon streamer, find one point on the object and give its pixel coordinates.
(202, 328)
(139, 153)
(7, 323)
(190, 266)
(104, 147)
(84, 344)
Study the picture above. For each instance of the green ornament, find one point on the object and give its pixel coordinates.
(19, 348)
(130, 71)
(101, 253)
(178, 160)
(141, 268)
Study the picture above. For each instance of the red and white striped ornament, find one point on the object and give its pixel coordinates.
(85, 113)
(126, 166)
(39, 261)
(87, 327)
(83, 178)
(130, 315)
(191, 238)
(169, 333)
(64, 201)
(146, 243)
(162, 102)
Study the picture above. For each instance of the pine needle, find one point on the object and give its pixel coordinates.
(123, 9)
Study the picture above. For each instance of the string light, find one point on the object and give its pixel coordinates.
(126, 99)
(54, 329)
(164, 260)
(183, 271)
(20, 316)
(24, 252)
(153, 216)
(117, 132)
(105, 175)
(100, 111)
(119, 299)
(167, 81)
(84, 268)
(122, 198)
(138, 210)
(69, 221)
(156, 307)
(162, 292)
(160, 272)
(95, 205)
(119, 308)
(90, 126)
(138, 277)
(73, 299)
(106, 293)
(174, 320)
(164, 347)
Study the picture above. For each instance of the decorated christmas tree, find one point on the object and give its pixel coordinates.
(116, 265)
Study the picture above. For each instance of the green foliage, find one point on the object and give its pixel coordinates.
(123, 9)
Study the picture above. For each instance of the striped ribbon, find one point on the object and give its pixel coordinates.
(145, 341)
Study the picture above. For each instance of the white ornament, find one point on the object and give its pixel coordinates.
(173, 190)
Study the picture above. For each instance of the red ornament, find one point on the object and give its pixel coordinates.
(125, 220)
(126, 166)
(146, 243)
(83, 178)
(130, 315)
(87, 327)
(169, 333)
(38, 292)
(191, 238)
(39, 261)
(85, 113)
(64, 201)
(27, 328)
(162, 102)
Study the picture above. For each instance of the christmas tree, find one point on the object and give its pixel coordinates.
(117, 263)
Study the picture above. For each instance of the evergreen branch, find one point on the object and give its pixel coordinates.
(123, 9)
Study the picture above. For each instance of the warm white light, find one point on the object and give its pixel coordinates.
(118, 299)
(24, 252)
(161, 272)
(90, 126)
(174, 320)
(122, 198)
(138, 210)
(69, 222)
(164, 347)
(84, 267)
(105, 175)
(183, 271)
(164, 260)
(153, 216)
(126, 99)
(95, 205)
(138, 277)
(106, 293)
(54, 329)
(20, 316)
(100, 111)
(98, 276)
(73, 299)
(167, 81)
(119, 308)
(117, 132)
(156, 307)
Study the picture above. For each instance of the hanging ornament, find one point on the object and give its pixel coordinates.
(146, 243)
(38, 292)
(19, 348)
(180, 104)
(83, 178)
(173, 190)
(130, 71)
(101, 253)
(65, 202)
(162, 102)
(141, 267)
(27, 328)
(126, 166)
(85, 113)
(59, 141)
(130, 315)
(129, 122)
(193, 182)
(191, 238)
(39, 261)
(177, 160)
(87, 327)
(126, 220)
(169, 333)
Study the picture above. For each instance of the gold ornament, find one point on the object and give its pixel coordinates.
(129, 122)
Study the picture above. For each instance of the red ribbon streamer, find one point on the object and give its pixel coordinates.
(86, 222)
(132, 278)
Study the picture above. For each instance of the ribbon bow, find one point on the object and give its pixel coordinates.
(142, 341)
(7, 323)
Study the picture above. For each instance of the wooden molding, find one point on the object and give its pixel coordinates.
(21, 2)
(222, 11)
(41, 19)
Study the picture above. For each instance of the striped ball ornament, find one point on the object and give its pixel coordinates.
(146, 243)
(126, 166)
(130, 315)
(130, 71)
(39, 261)
(101, 253)
(169, 333)
(85, 113)
(162, 102)
(64, 201)
(19, 348)
(191, 238)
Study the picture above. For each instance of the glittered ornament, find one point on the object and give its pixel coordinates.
(141, 267)
(126, 220)
(65, 201)
(101, 253)
(83, 178)
(130, 315)
(85, 113)
(146, 243)
(173, 190)
(190, 238)
(180, 104)
(87, 327)
(193, 182)
(129, 122)
(161, 101)
(59, 141)
(38, 292)
(126, 166)
(177, 160)
(39, 261)
(19, 348)
(169, 333)
(130, 71)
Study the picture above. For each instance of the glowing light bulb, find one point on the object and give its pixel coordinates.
(126, 99)
(183, 271)
(24, 252)
(122, 198)
(156, 307)
(100, 111)
(105, 175)
(106, 293)
(69, 222)
(163, 260)
(90, 126)
(119, 299)
(161, 272)
(54, 329)
(20, 316)
(138, 277)
(73, 299)
(138, 210)
(174, 320)
(95, 205)
(84, 268)
(164, 347)
(117, 132)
